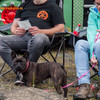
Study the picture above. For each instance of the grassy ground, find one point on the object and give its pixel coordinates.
(7, 81)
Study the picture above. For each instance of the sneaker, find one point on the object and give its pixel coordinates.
(83, 91)
(19, 78)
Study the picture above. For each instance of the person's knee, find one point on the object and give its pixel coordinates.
(80, 44)
(40, 39)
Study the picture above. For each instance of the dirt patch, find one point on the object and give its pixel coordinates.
(24, 93)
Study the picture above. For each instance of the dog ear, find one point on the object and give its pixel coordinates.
(26, 55)
(13, 55)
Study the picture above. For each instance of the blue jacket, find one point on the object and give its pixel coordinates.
(93, 25)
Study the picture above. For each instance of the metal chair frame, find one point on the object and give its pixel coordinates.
(61, 42)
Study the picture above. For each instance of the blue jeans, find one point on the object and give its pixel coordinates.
(82, 57)
(35, 45)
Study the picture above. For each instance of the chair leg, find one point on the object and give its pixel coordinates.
(95, 70)
(45, 58)
(6, 72)
(64, 51)
(94, 75)
(52, 56)
(2, 74)
(61, 45)
(2, 67)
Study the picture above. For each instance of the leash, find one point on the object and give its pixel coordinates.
(76, 79)
(96, 38)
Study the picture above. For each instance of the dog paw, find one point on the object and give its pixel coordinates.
(19, 82)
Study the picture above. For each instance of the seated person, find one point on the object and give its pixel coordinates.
(84, 52)
(46, 18)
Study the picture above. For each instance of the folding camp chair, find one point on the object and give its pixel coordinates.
(4, 28)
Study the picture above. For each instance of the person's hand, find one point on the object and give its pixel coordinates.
(20, 31)
(34, 30)
(94, 60)
(98, 30)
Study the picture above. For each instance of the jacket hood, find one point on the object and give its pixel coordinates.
(95, 11)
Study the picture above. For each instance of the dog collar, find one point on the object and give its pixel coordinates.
(26, 67)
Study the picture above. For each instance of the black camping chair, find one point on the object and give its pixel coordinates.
(61, 42)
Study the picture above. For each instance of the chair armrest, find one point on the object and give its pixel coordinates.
(61, 34)
(5, 27)
(82, 32)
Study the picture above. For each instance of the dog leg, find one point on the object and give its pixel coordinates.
(28, 78)
(58, 89)
(64, 82)
(57, 86)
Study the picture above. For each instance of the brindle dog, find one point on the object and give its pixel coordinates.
(41, 71)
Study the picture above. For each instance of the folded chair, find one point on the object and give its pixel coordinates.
(61, 42)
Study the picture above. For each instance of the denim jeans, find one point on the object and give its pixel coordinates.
(82, 57)
(35, 45)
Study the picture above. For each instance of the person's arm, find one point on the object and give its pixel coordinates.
(14, 25)
(91, 32)
(15, 29)
(57, 28)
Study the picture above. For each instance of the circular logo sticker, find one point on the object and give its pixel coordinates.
(42, 14)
